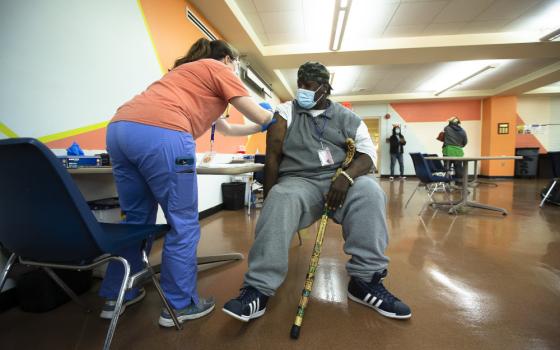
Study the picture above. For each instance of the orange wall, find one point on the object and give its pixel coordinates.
(438, 111)
(498, 110)
(173, 34)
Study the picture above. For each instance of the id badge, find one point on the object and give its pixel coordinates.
(325, 156)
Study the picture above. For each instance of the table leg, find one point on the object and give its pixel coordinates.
(207, 262)
(475, 182)
(465, 193)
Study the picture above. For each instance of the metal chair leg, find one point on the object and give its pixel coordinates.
(66, 289)
(178, 325)
(413, 192)
(6, 269)
(548, 193)
(118, 305)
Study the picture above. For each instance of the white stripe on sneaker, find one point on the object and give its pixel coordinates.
(258, 304)
(372, 301)
(367, 297)
(250, 309)
(378, 303)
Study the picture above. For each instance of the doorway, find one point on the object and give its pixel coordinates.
(372, 124)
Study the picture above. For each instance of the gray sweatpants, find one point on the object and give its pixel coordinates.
(295, 203)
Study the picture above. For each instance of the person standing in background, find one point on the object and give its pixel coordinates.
(397, 142)
(454, 139)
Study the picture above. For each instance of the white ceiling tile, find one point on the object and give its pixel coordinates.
(416, 13)
(403, 31)
(284, 38)
(444, 28)
(255, 21)
(506, 9)
(496, 26)
(277, 5)
(283, 22)
(317, 20)
(545, 15)
(462, 11)
(368, 19)
(246, 6)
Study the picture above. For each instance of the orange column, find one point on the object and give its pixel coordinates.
(497, 110)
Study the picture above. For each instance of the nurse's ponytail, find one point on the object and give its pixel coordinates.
(204, 48)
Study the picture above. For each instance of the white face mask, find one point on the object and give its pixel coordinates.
(397, 131)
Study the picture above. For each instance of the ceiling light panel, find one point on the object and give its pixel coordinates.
(452, 72)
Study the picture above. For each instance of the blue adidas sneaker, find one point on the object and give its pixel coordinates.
(374, 295)
(248, 305)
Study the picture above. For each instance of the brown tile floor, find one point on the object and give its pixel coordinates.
(474, 281)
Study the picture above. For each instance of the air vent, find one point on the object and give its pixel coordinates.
(198, 23)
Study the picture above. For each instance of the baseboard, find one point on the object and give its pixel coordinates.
(210, 211)
(496, 177)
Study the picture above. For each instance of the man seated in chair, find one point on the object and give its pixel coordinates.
(304, 150)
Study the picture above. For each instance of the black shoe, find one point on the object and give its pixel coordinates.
(374, 295)
(248, 305)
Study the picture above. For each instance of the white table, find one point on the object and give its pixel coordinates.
(101, 178)
(465, 192)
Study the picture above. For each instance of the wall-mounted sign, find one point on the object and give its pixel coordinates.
(503, 128)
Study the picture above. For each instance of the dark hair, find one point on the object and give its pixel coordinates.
(204, 48)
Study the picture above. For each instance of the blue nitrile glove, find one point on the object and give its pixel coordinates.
(266, 106)
(265, 127)
(74, 150)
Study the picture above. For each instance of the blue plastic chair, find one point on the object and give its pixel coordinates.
(46, 222)
(436, 166)
(427, 178)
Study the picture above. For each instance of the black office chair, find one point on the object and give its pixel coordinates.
(555, 163)
(45, 222)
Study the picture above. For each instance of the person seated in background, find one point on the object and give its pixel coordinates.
(454, 139)
(304, 149)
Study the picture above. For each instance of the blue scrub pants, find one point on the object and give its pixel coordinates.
(154, 165)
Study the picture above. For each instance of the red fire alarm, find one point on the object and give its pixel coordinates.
(387, 116)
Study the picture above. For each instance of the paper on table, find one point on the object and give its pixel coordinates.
(225, 165)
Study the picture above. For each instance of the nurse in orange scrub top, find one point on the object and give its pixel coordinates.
(151, 142)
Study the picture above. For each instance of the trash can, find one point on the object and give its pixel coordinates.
(106, 210)
(528, 166)
(233, 194)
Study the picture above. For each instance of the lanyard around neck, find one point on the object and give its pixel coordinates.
(321, 131)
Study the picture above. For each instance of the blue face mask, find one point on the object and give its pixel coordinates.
(306, 98)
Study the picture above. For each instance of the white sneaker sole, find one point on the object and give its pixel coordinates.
(382, 312)
(108, 315)
(245, 318)
(168, 322)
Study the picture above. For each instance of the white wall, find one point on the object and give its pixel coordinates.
(542, 110)
(420, 137)
(69, 64)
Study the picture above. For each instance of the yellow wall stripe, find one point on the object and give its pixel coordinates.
(73, 132)
(7, 131)
(163, 70)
